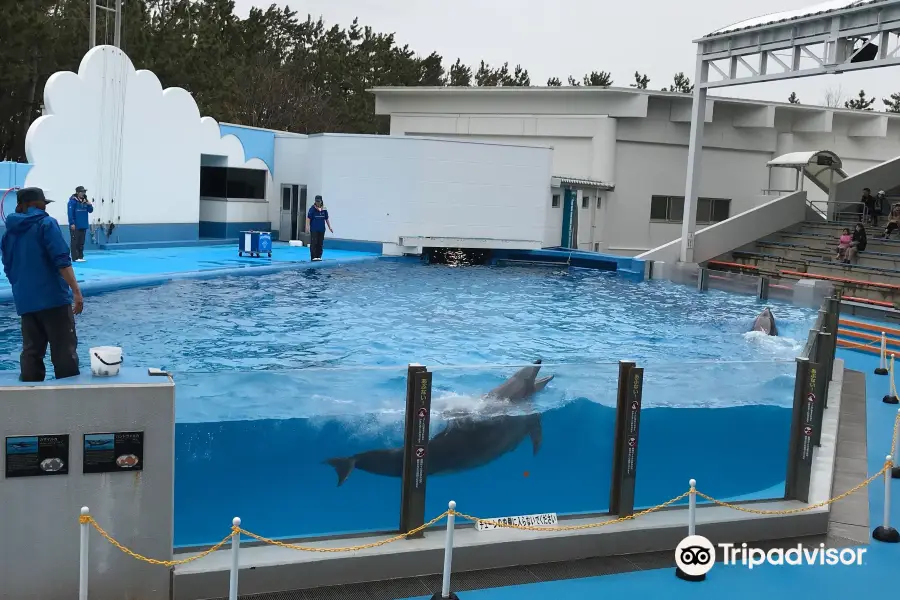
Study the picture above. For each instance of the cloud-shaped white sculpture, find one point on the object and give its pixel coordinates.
(135, 147)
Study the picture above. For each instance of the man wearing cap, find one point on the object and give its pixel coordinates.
(316, 220)
(79, 222)
(36, 262)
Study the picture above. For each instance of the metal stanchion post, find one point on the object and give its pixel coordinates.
(891, 396)
(235, 551)
(895, 444)
(882, 360)
(692, 527)
(886, 533)
(448, 557)
(83, 556)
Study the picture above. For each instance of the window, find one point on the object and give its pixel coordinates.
(222, 182)
(555, 201)
(598, 201)
(670, 209)
(285, 198)
(585, 201)
(596, 247)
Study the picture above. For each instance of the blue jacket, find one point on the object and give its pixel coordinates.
(78, 213)
(317, 218)
(34, 251)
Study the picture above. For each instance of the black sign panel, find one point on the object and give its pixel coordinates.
(415, 450)
(36, 455)
(803, 426)
(632, 425)
(113, 452)
(810, 407)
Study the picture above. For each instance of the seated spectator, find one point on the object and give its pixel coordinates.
(843, 246)
(879, 207)
(893, 220)
(858, 242)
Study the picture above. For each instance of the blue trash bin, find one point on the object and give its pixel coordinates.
(255, 243)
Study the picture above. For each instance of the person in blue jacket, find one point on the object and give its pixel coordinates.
(36, 262)
(316, 220)
(79, 222)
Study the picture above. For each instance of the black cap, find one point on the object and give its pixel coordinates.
(318, 198)
(31, 194)
(80, 188)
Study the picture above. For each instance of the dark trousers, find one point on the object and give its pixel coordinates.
(76, 245)
(53, 326)
(316, 241)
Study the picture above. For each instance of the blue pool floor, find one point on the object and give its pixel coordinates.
(107, 270)
(736, 582)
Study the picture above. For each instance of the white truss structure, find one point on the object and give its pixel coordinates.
(834, 37)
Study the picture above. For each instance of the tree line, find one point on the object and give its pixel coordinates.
(273, 69)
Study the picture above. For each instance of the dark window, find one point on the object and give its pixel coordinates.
(585, 201)
(554, 202)
(669, 209)
(598, 201)
(721, 209)
(213, 182)
(285, 198)
(713, 210)
(596, 247)
(222, 182)
(246, 183)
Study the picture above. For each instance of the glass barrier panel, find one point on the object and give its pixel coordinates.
(737, 283)
(278, 449)
(500, 450)
(724, 423)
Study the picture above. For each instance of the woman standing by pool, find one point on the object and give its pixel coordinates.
(316, 220)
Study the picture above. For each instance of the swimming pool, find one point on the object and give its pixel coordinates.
(277, 374)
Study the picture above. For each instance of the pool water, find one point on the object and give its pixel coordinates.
(277, 374)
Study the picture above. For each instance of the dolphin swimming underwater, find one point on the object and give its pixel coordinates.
(468, 442)
(765, 322)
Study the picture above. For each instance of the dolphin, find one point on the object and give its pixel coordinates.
(765, 322)
(468, 442)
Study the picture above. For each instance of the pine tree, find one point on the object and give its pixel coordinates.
(681, 85)
(572, 81)
(554, 82)
(860, 102)
(793, 99)
(640, 81)
(598, 79)
(892, 104)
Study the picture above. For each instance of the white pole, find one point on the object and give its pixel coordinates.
(896, 442)
(882, 360)
(887, 495)
(448, 551)
(235, 548)
(83, 557)
(692, 507)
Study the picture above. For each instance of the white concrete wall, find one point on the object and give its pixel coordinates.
(771, 215)
(116, 131)
(379, 188)
(291, 167)
(234, 211)
(39, 531)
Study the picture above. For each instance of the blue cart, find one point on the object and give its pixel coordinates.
(255, 243)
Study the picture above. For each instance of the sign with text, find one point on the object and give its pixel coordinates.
(37, 455)
(628, 416)
(415, 449)
(803, 428)
(113, 452)
(541, 520)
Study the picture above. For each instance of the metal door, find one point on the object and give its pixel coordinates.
(293, 212)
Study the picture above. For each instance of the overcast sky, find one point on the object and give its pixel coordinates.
(561, 37)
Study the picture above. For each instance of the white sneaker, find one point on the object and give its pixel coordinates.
(80, 260)
(317, 259)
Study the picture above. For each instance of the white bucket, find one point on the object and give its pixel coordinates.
(105, 361)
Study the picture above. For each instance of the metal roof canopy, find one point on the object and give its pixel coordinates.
(819, 158)
(561, 180)
(828, 38)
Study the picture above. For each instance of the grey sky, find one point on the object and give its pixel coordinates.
(575, 37)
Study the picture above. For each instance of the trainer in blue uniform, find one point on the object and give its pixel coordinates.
(316, 220)
(79, 222)
(36, 262)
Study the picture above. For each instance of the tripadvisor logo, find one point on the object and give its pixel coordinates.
(695, 555)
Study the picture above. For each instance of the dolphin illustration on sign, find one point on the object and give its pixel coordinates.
(468, 442)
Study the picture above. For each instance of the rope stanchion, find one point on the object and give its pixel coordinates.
(895, 448)
(83, 554)
(235, 562)
(448, 557)
(884, 532)
(692, 526)
(891, 397)
(882, 360)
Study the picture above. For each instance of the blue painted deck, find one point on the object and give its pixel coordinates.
(107, 270)
(737, 582)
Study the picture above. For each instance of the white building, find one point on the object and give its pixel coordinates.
(622, 152)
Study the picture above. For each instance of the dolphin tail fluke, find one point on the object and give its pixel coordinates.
(535, 431)
(343, 466)
(541, 383)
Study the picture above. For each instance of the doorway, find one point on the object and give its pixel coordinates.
(293, 212)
